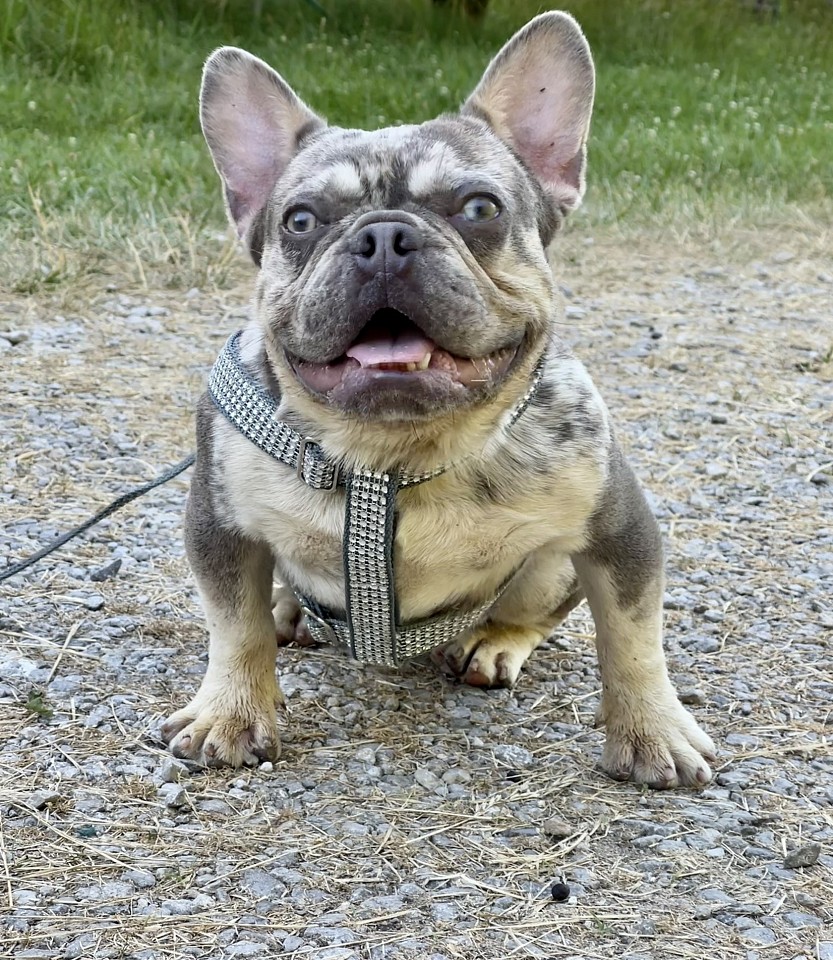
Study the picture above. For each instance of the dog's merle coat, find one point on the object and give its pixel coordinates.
(433, 239)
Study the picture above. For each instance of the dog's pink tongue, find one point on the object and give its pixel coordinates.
(380, 348)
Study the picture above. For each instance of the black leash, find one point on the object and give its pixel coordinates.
(117, 504)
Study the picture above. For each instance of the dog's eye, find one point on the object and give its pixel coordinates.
(480, 209)
(301, 221)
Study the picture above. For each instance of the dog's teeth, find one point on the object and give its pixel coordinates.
(423, 364)
(410, 367)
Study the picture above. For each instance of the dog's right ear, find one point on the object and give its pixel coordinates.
(252, 121)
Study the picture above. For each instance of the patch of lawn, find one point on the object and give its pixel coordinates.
(704, 110)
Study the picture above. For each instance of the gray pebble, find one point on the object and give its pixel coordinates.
(514, 755)
(796, 918)
(804, 856)
(107, 572)
(425, 778)
(261, 884)
(173, 795)
(246, 948)
(172, 771)
(139, 878)
(761, 935)
(557, 829)
(692, 696)
(42, 798)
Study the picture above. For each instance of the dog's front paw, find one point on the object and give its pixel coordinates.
(217, 730)
(656, 742)
(490, 656)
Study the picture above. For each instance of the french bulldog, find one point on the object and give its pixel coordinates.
(404, 308)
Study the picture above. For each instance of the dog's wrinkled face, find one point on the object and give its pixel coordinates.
(403, 271)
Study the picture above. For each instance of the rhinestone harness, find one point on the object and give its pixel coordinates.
(372, 630)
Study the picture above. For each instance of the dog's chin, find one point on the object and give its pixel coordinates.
(407, 377)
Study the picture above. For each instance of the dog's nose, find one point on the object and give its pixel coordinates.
(387, 245)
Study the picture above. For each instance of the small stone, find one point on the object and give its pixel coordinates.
(425, 778)
(715, 470)
(93, 601)
(444, 912)
(513, 754)
(795, 918)
(261, 884)
(14, 337)
(173, 795)
(783, 256)
(107, 572)
(557, 829)
(560, 892)
(691, 696)
(139, 878)
(220, 807)
(804, 856)
(456, 775)
(292, 943)
(80, 947)
(706, 645)
(761, 935)
(42, 798)
(719, 418)
(715, 895)
(366, 754)
(172, 771)
(246, 948)
(678, 368)
(266, 767)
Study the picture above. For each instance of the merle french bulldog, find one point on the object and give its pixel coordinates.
(406, 320)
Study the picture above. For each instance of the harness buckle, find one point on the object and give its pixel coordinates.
(304, 444)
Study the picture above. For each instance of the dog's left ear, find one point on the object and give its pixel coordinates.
(537, 95)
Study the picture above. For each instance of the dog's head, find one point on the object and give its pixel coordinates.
(403, 273)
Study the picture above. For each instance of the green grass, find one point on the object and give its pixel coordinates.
(704, 110)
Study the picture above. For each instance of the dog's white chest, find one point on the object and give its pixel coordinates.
(451, 546)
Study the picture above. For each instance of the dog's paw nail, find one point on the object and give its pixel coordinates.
(476, 676)
(182, 748)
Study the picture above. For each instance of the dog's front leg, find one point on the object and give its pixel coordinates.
(651, 737)
(232, 718)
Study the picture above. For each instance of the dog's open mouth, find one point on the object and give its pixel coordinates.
(391, 350)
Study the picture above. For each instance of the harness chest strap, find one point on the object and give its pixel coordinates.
(371, 631)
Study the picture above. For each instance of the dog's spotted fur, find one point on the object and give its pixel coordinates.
(549, 501)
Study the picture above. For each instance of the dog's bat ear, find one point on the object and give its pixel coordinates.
(537, 95)
(252, 121)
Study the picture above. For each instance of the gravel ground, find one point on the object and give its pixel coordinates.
(408, 817)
